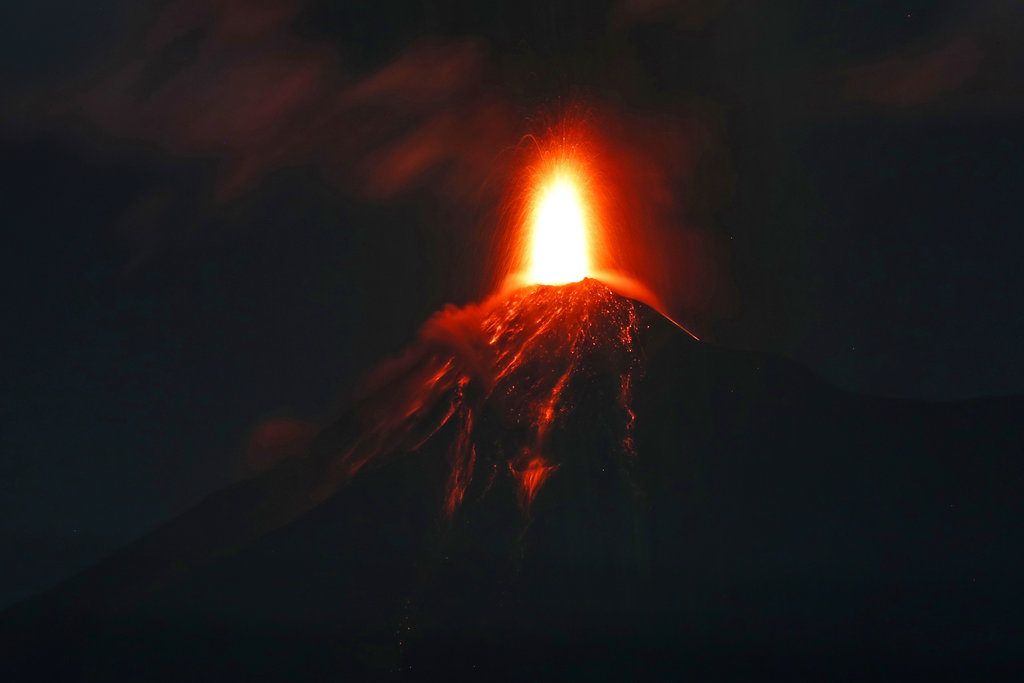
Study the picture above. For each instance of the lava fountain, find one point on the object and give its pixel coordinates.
(559, 249)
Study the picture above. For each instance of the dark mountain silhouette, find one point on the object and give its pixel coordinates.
(560, 482)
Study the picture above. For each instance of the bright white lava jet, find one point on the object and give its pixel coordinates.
(559, 252)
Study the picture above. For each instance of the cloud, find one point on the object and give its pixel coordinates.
(232, 81)
(907, 81)
(274, 440)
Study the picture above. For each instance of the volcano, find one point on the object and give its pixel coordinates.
(562, 482)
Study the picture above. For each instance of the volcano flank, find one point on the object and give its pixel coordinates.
(561, 481)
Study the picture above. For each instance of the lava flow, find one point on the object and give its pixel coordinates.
(509, 380)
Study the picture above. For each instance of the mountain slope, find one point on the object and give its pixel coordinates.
(719, 514)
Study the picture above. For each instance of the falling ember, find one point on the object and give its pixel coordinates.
(559, 252)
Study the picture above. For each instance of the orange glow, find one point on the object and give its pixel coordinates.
(580, 206)
(559, 249)
(555, 210)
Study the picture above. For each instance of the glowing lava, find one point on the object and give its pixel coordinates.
(559, 250)
(527, 382)
(536, 380)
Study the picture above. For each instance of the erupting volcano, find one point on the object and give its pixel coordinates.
(549, 359)
(561, 480)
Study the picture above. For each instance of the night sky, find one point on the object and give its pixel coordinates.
(219, 216)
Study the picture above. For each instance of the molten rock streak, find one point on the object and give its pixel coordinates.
(516, 384)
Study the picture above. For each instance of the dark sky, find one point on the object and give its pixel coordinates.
(219, 215)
